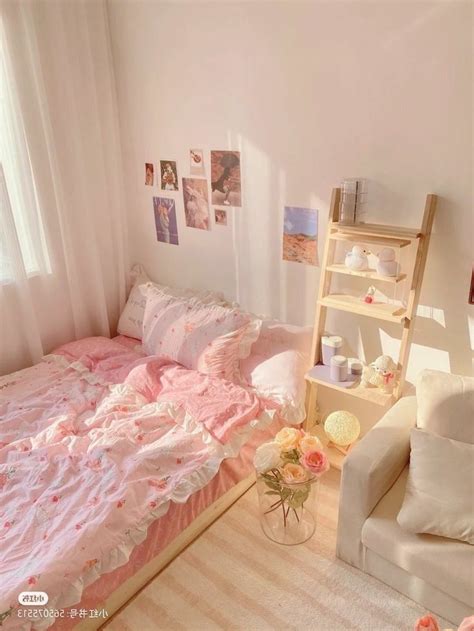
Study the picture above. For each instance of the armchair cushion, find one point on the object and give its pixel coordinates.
(446, 405)
(440, 490)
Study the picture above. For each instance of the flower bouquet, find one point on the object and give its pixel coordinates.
(288, 469)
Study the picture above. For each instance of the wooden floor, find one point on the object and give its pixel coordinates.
(232, 577)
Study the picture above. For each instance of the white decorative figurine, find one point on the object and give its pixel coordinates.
(357, 259)
(381, 373)
(386, 264)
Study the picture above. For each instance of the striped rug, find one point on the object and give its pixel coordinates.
(232, 577)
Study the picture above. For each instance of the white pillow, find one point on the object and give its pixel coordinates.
(446, 405)
(131, 318)
(440, 488)
(277, 365)
(277, 336)
(281, 379)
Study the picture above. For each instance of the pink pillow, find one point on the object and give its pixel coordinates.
(205, 337)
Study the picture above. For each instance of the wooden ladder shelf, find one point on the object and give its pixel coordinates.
(390, 236)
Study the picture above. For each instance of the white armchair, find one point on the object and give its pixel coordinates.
(435, 571)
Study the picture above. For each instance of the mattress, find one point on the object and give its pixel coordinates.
(99, 448)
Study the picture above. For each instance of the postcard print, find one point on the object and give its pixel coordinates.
(300, 235)
(196, 203)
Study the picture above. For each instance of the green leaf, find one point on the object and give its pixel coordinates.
(269, 476)
(285, 492)
(299, 497)
(272, 485)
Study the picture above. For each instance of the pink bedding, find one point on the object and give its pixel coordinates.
(165, 529)
(96, 442)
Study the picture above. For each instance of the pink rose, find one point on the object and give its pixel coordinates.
(315, 461)
(427, 623)
(467, 624)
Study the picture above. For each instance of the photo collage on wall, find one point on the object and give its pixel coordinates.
(225, 192)
(209, 194)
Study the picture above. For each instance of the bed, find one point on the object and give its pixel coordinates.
(113, 459)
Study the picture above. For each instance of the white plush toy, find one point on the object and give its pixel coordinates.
(386, 264)
(381, 373)
(357, 259)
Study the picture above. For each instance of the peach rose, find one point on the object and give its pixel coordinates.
(427, 623)
(288, 438)
(309, 443)
(315, 461)
(293, 473)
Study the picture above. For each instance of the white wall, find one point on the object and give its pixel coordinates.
(309, 92)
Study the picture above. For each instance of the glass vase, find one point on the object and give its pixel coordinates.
(287, 510)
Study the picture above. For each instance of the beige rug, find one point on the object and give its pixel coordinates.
(234, 578)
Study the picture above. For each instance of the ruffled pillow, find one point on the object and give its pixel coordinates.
(205, 337)
(131, 318)
(222, 357)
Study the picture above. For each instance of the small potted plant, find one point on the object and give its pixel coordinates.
(288, 469)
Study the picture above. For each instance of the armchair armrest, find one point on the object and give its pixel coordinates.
(369, 471)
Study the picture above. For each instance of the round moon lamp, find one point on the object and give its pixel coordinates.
(343, 429)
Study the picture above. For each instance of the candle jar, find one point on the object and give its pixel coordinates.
(355, 366)
(330, 344)
(338, 368)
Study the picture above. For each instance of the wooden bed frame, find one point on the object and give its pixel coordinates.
(133, 586)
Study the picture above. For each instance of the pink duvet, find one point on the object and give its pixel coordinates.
(96, 440)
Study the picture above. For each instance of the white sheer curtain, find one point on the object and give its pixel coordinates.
(62, 240)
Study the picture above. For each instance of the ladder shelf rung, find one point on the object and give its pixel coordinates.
(353, 304)
(378, 230)
(319, 375)
(362, 238)
(340, 268)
